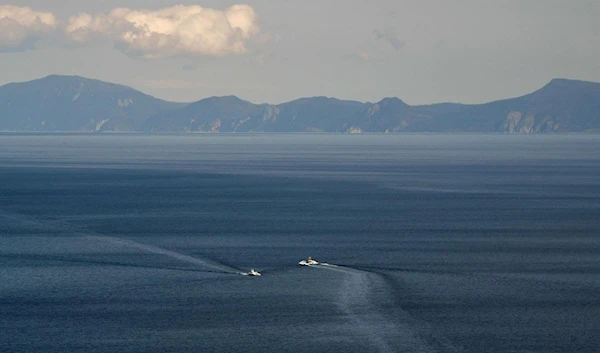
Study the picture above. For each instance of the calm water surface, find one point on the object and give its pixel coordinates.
(436, 243)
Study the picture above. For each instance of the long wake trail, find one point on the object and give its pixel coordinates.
(63, 226)
(356, 299)
(161, 251)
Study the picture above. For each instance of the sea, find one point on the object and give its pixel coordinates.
(425, 243)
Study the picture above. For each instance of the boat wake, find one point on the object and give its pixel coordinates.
(160, 251)
(68, 229)
(360, 297)
(328, 265)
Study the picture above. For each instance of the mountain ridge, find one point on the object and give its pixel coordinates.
(79, 104)
(75, 103)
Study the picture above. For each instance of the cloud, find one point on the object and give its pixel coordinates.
(21, 27)
(174, 31)
(390, 36)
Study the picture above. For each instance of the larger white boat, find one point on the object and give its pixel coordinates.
(308, 262)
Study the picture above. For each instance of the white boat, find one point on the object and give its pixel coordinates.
(253, 272)
(308, 262)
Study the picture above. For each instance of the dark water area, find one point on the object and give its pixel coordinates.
(435, 243)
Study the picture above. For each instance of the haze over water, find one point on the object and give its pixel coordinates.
(436, 243)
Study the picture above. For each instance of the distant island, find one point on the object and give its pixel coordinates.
(77, 104)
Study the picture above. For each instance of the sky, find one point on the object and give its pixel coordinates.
(421, 51)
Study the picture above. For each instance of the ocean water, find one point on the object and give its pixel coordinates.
(433, 243)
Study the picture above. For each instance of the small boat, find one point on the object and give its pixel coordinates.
(308, 262)
(253, 272)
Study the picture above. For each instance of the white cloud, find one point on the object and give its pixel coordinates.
(177, 30)
(20, 27)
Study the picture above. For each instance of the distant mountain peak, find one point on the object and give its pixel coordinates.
(561, 83)
(392, 102)
(77, 82)
(229, 97)
(316, 100)
(66, 77)
(75, 103)
(560, 80)
(563, 86)
(63, 78)
(222, 101)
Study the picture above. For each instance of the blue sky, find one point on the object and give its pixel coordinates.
(422, 51)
